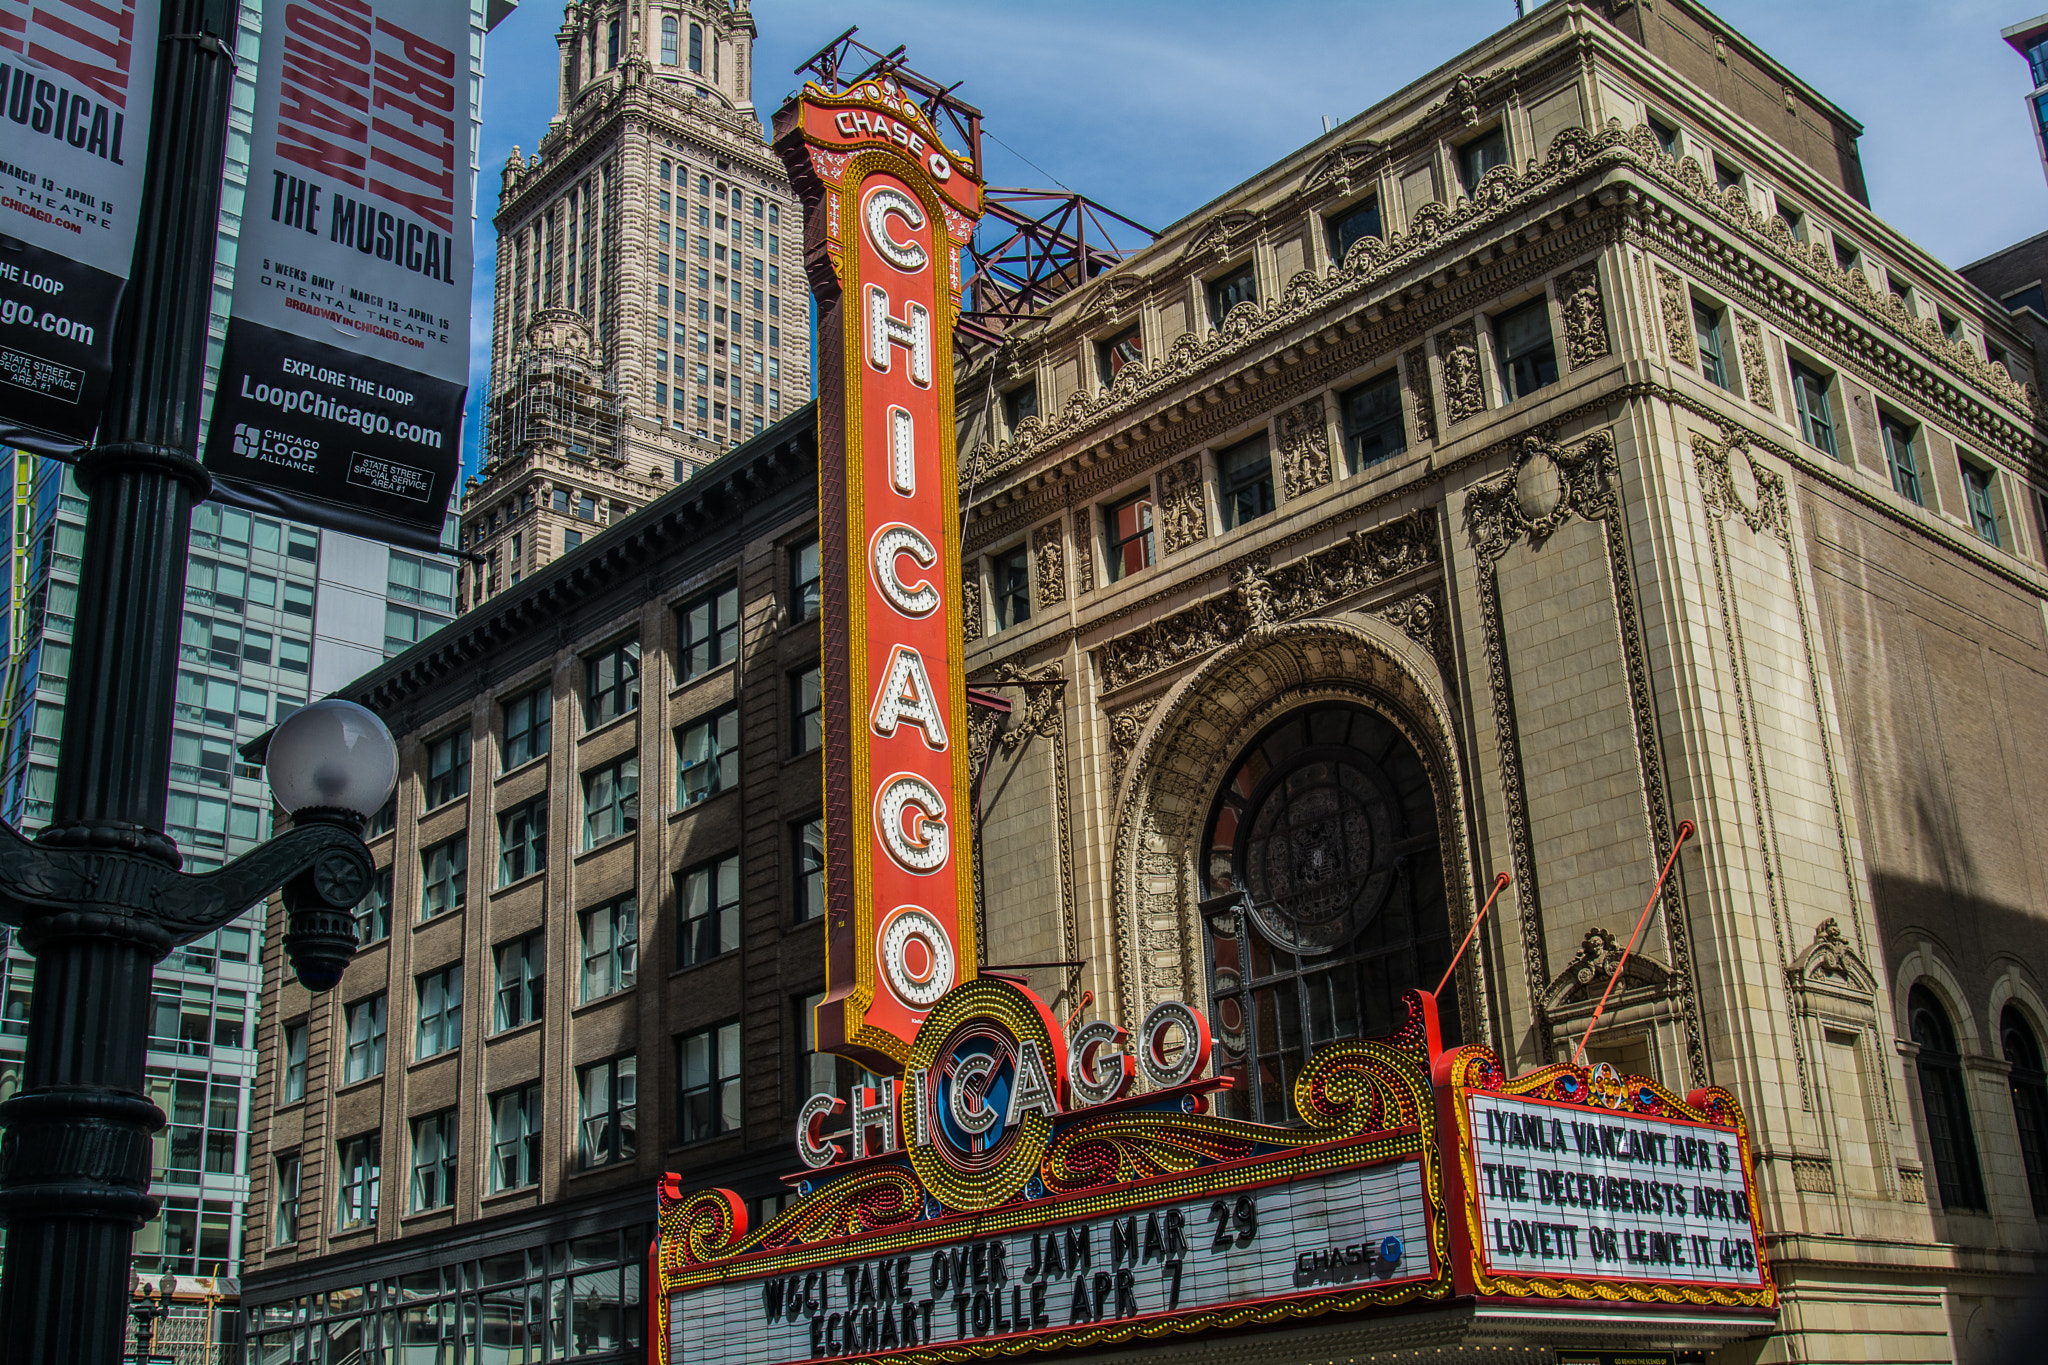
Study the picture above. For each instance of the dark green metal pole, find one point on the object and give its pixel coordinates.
(75, 1163)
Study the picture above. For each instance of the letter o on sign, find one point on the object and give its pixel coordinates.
(1194, 1052)
(917, 957)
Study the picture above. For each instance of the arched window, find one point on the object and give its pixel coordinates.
(2029, 1100)
(1327, 824)
(1947, 1106)
(759, 207)
(611, 44)
(664, 168)
(703, 184)
(668, 40)
(697, 48)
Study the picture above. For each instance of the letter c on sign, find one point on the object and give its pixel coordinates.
(1194, 1052)
(883, 202)
(816, 1149)
(896, 540)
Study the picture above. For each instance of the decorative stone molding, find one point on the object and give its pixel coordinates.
(1585, 316)
(1117, 293)
(1042, 702)
(1421, 617)
(1224, 234)
(1182, 520)
(1043, 715)
(1304, 448)
(1421, 396)
(1813, 1175)
(1831, 955)
(1733, 484)
(970, 602)
(1125, 727)
(1550, 484)
(1756, 367)
(1049, 556)
(1675, 302)
(1586, 976)
(1264, 596)
(1912, 1185)
(1457, 350)
(1343, 165)
(1084, 542)
(1462, 97)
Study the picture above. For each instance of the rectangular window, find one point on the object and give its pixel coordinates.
(708, 756)
(373, 911)
(515, 1138)
(1726, 177)
(285, 1223)
(528, 718)
(1900, 458)
(365, 1055)
(1793, 219)
(1244, 481)
(1127, 526)
(1113, 355)
(1977, 483)
(437, 1027)
(1373, 430)
(444, 876)
(708, 1077)
(522, 981)
(1816, 415)
(1706, 329)
(1010, 577)
(1019, 403)
(571, 539)
(1528, 358)
(807, 891)
(605, 1102)
(1240, 286)
(355, 1205)
(1666, 135)
(523, 841)
(708, 911)
(1348, 227)
(434, 1140)
(1847, 256)
(1480, 155)
(611, 802)
(294, 1088)
(710, 628)
(448, 768)
(611, 947)
(807, 710)
(806, 581)
(611, 683)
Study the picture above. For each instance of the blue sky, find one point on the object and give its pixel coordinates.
(1154, 107)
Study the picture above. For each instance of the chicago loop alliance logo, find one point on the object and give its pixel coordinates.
(989, 1074)
(252, 442)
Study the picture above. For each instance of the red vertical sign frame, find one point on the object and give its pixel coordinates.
(887, 209)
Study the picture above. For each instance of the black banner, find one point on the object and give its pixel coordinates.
(56, 347)
(317, 433)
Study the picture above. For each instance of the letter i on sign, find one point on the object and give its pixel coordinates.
(892, 214)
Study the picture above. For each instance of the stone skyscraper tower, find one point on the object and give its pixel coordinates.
(650, 308)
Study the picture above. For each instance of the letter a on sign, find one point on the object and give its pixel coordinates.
(888, 208)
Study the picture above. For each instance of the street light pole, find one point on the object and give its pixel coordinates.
(98, 897)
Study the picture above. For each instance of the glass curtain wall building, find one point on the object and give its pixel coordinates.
(276, 614)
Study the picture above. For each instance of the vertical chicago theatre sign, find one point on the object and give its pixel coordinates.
(888, 209)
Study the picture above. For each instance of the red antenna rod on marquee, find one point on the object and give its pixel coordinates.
(1685, 831)
(1500, 884)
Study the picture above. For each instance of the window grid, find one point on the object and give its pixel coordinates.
(708, 911)
(1816, 415)
(522, 981)
(1977, 482)
(448, 768)
(365, 1055)
(708, 756)
(528, 719)
(710, 628)
(1127, 524)
(611, 802)
(807, 705)
(1373, 429)
(515, 1138)
(611, 683)
(806, 581)
(285, 1222)
(444, 876)
(606, 1101)
(1945, 1103)
(523, 841)
(2029, 1085)
(294, 1087)
(1900, 458)
(611, 947)
(807, 838)
(373, 911)
(1010, 576)
(1706, 327)
(708, 1079)
(1244, 474)
(434, 1140)
(1528, 355)
(438, 1025)
(361, 1175)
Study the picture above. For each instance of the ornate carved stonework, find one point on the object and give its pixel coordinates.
(1585, 977)
(1052, 576)
(1813, 1175)
(1262, 596)
(1304, 448)
(1550, 484)
(1756, 369)
(983, 725)
(1224, 234)
(1125, 726)
(1118, 293)
(1181, 518)
(1421, 396)
(1457, 349)
(1041, 714)
(1344, 165)
(970, 603)
(1676, 304)
(1733, 484)
(1832, 956)
(1084, 559)
(1421, 617)
(1585, 317)
(1912, 1185)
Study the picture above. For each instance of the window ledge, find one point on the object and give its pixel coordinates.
(701, 802)
(529, 1190)
(422, 1063)
(697, 680)
(536, 761)
(793, 626)
(797, 925)
(420, 1216)
(592, 1006)
(431, 811)
(595, 849)
(450, 913)
(675, 972)
(798, 758)
(351, 1087)
(592, 732)
(696, 1143)
(536, 875)
(514, 1031)
(623, 1165)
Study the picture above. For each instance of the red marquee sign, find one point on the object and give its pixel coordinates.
(888, 209)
